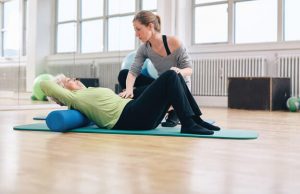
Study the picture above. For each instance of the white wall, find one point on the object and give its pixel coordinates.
(40, 40)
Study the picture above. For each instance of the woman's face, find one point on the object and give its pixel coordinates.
(142, 32)
(72, 84)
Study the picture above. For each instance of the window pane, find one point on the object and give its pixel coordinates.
(208, 1)
(92, 36)
(291, 22)
(120, 6)
(67, 10)
(11, 24)
(92, 8)
(211, 24)
(149, 4)
(120, 34)
(256, 21)
(25, 33)
(66, 37)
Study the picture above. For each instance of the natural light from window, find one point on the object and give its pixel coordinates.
(120, 6)
(92, 36)
(121, 34)
(291, 20)
(91, 8)
(66, 37)
(11, 41)
(93, 26)
(256, 21)
(149, 4)
(211, 24)
(67, 10)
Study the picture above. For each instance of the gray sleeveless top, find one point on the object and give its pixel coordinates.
(179, 58)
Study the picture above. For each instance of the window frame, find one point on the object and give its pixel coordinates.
(194, 6)
(279, 44)
(105, 18)
(22, 29)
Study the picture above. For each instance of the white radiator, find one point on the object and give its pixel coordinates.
(289, 66)
(210, 74)
(108, 74)
(13, 78)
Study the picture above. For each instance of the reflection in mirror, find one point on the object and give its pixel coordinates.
(12, 71)
(82, 39)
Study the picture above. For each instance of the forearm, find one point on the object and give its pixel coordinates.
(186, 71)
(130, 81)
(128, 92)
(55, 91)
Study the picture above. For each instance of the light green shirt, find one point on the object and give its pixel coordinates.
(100, 105)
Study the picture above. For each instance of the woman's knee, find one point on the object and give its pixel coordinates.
(170, 73)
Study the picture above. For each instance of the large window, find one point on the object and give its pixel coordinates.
(67, 26)
(291, 20)
(91, 40)
(88, 27)
(256, 21)
(149, 4)
(120, 33)
(25, 27)
(92, 26)
(10, 35)
(120, 30)
(211, 21)
(245, 21)
(66, 37)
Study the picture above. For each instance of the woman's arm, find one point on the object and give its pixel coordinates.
(184, 66)
(134, 71)
(51, 89)
(128, 92)
(188, 71)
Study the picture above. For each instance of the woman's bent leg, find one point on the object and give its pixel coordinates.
(148, 110)
(196, 109)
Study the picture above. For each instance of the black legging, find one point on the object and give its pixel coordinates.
(140, 84)
(148, 110)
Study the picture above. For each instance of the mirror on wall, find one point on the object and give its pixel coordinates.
(82, 39)
(12, 71)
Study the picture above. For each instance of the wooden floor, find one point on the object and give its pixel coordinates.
(44, 162)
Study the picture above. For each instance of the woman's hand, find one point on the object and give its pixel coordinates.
(176, 69)
(127, 93)
(184, 72)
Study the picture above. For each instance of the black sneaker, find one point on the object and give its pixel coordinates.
(206, 125)
(171, 119)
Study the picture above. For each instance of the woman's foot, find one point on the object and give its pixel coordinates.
(196, 129)
(171, 120)
(204, 124)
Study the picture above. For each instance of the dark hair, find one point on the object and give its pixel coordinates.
(147, 17)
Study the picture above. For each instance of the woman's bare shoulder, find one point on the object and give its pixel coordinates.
(174, 43)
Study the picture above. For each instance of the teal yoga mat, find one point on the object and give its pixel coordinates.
(160, 131)
(44, 118)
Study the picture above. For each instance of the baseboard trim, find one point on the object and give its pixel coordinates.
(212, 101)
